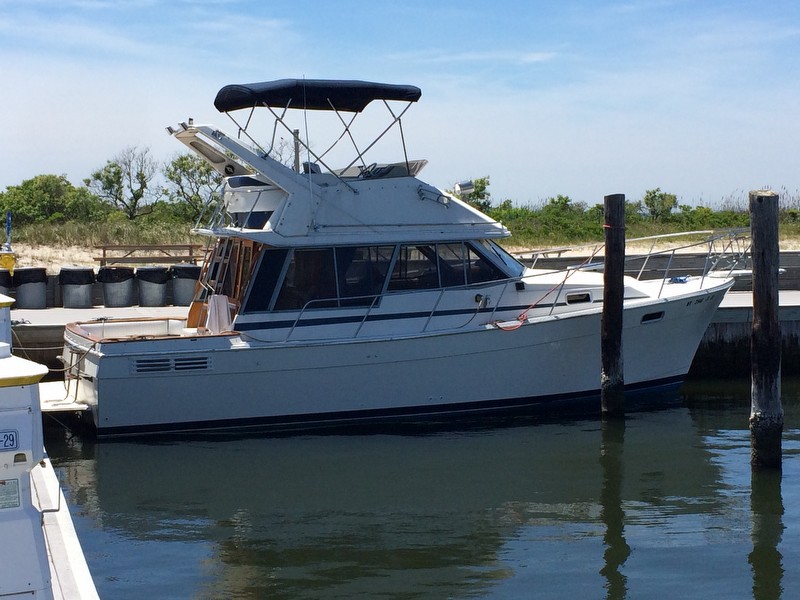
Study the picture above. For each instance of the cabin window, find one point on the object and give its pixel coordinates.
(455, 264)
(416, 268)
(480, 270)
(356, 275)
(310, 281)
(451, 264)
(265, 280)
(361, 271)
(254, 220)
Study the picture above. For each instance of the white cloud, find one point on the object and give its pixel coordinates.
(472, 56)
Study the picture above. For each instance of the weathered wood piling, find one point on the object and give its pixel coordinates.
(766, 410)
(612, 382)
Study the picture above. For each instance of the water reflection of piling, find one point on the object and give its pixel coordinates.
(766, 561)
(766, 411)
(611, 511)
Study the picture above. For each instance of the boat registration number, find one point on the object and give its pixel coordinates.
(9, 439)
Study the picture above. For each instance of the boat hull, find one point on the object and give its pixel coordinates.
(227, 382)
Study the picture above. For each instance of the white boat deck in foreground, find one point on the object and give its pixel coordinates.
(40, 554)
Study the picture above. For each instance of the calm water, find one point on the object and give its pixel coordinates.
(663, 506)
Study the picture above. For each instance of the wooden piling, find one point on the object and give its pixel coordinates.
(612, 383)
(766, 411)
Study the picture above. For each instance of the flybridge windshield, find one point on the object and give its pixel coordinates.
(312, 94)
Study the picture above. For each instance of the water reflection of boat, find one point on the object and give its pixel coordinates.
(420, 516)
(360, 294)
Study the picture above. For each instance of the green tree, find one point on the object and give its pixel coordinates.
(50, 199)
(190, 182)
(124, 182)
(85, 207)
(659, 204)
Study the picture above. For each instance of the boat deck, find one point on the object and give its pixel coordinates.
(71, 578)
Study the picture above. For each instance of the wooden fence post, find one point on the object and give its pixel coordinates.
(766, 411)
(612, 383)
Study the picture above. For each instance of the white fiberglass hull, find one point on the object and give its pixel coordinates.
(218, 382)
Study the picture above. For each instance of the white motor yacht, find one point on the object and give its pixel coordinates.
(359, 293)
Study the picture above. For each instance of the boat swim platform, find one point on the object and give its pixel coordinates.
(53, 398)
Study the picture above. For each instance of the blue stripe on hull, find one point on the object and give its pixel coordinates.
(312, 321)
(383, 418)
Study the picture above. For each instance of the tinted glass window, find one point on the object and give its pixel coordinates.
(479, 269)
(265, 279)
(451, 264)
(310, 281)
(416, 269)
(513, 267)
(361, 272)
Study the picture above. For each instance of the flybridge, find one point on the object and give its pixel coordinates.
(315, 203)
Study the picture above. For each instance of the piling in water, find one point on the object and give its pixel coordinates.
(612, 383)
(766, 411)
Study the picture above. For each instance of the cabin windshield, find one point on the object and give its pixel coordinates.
(514, 267)
(316, 278)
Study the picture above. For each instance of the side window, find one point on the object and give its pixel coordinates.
(265, 280)
(416, 269)
(361, 272)
(479, 269)
(310, 281)
(451, 264)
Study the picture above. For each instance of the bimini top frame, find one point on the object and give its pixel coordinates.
(333, 95)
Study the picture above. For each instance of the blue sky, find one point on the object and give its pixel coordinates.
(576, 97)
